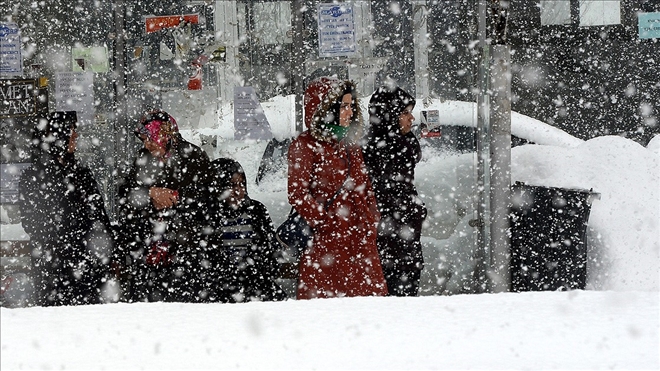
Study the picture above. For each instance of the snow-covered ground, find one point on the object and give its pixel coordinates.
(583, 330)
(612, 324)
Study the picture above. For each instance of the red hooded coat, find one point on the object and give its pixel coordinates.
(343, 260)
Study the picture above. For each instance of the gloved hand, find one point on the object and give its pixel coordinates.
(159, 254)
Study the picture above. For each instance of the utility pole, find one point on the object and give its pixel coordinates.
(298, 60)
(493, 149)
(482, 219)
(500, 149)
(420, 18)
(122, 146)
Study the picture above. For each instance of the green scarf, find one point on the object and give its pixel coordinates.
(337, 131)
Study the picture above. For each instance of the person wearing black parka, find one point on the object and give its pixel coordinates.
(160, 206)
(391, 152)
(62, 211)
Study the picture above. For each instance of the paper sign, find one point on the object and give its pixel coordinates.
(430, 119)
(11, 59)
(74, 91)
(250, 122)
(10, 176)
(336, 30)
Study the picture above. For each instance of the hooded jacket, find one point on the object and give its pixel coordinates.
(62, 211)
(389, 155)
(183, 168)
(343, 260)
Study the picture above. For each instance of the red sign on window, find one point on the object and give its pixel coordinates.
(157, 23)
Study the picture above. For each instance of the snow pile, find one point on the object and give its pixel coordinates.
(624, 227)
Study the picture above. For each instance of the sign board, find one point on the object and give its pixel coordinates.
(430, 120)
(250, 122)
(93, 59)
(10, 175)
(649, 25)
(21, 97)
(11, 59)
(74, 91)
(336, 30)
(157, 23)
(365, 71)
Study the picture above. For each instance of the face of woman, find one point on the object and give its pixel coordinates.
(406, 119)
(236, 192)
(152, 147)
(73, 140)
(346, 110)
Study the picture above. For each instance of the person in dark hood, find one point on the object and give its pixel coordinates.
(63, 212)
(328, 185)
(159, 209)
(241, 245)
(391, 152)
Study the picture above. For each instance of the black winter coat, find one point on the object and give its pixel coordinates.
(63, 212)
(242, 251)
(186, 171)
(391, 158)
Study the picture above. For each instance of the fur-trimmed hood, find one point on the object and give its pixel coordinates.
(321, 96)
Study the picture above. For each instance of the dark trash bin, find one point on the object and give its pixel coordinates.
(549, 237)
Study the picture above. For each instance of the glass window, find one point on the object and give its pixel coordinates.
(600, 12)
(555, 12)
(592, 12)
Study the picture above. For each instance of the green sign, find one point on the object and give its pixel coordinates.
(649, 25)
(93, 59)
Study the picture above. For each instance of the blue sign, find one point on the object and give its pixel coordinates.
(11, 59)
(649, 25)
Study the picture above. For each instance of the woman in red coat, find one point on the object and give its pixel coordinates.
(324, 161)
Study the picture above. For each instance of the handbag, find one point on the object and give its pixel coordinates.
(294, 234)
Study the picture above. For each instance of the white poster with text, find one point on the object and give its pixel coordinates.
(11, 59)
(336, 30)
(74, 91)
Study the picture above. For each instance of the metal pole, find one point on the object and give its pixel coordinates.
(420, 17)
(482, 220)
(122, 146)
(500, 168)
(298, 60)
(500, 152)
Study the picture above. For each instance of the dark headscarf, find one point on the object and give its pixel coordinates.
(52, 135)
(223, 170)
(385, 107)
